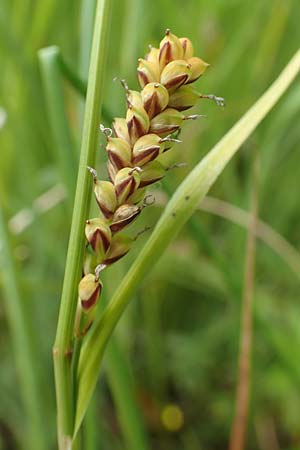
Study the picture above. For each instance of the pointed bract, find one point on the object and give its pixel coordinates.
(175, 74)
(120, 246)
(166, 122)
(152, 172)
(148, 72)
(134, 98)
(183, 98)
(146, 149)
(120, 129)
(155, 98)
(126, 182)
(98, 235)
(119, 152)
(153, 55)
(105, 197)
(188, 49)
(198, 67)
(138, 122)
(170, 49)
(123, 216)
(89, 289)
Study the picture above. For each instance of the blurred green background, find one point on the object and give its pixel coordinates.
(178, 342)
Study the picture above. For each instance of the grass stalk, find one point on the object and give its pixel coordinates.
(239, 425)
(23, 346)
(182, 205)
(63, 347)
(50, 64)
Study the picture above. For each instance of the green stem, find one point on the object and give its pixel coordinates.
(23, 346)
(63, 346)
(50, 62)
(182, 205)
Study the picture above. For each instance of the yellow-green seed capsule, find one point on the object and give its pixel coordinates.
(123, 216)
(188, 49)
(98, 235)
(152, 55)
(152, 172)
(137, 196)
(146, 149)
(183, 98)
(148, 72)
(170, 49)
(126, 182)
(120, 246)
(166, 122)
(134, 99)
(175, 74)
(198, 67)
(119, 152)
(155, 98)
(120, 129)
(106, 197)
(89, 290)
(138, 122)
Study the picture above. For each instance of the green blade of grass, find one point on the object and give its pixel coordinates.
(122, 387)
(63, 346)
(50, 61)
(180, 208)
(23, 346)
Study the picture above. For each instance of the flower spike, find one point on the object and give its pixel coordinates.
(134, 145)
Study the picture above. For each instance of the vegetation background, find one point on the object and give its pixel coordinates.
(178, 342)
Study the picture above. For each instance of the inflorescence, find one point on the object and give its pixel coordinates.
(134, 144)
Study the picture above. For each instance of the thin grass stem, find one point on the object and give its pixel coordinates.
(239, 425)
(63, 347)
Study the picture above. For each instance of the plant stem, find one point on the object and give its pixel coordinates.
(24, 349)
(239, 425)
(182, 205)
(63, 347)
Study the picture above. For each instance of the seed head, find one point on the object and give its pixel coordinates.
(134, 144)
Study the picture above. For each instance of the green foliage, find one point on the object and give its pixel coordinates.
(181, 333)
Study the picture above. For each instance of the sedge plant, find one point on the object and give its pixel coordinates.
(134, 147)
